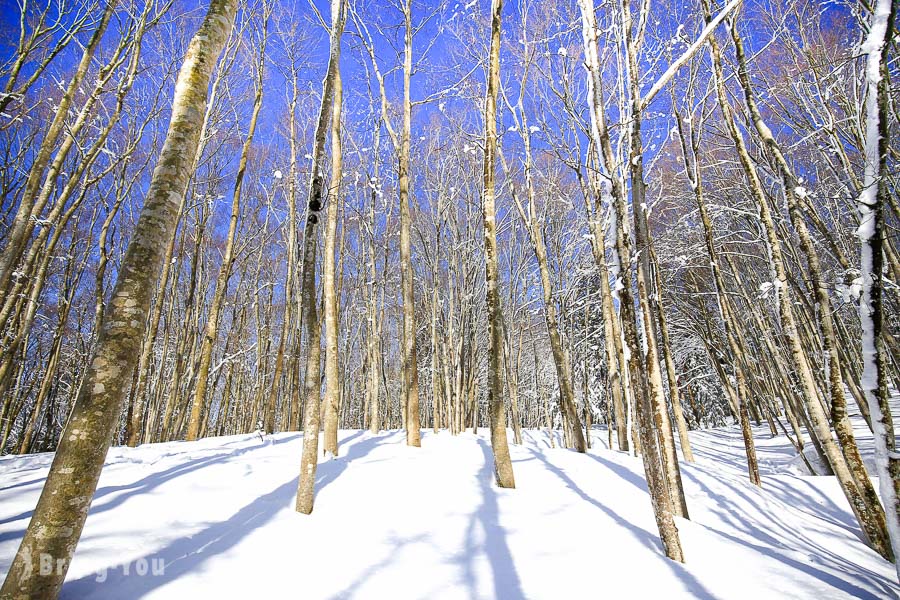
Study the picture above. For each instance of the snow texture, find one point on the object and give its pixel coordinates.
(216, 517)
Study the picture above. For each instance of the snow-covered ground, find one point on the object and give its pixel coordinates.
(395, 522)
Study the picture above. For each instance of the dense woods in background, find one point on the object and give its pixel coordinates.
(691, 213)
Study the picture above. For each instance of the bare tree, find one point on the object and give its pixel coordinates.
(309, 309)
(502, 463)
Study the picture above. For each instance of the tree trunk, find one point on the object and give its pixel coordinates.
(671, 376)
(870, 518)
(329, 293)
(642, 243)
(287, 325)
(23, 224)
(312, 385)
(503, 470)
(871, 233)
(410, 367)
(656, 479)
(218, 300)
(59, 517)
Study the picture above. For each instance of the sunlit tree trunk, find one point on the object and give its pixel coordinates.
(312, 385)
(503, 470)
(30, 205)
(656, 478)
(870, 518)
(871, 204)
(63, 506)
(642, 244)
(690, 156)
(671, 376)
(287, 325)
(329, 293)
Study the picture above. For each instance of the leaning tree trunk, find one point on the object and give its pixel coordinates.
(656, 479)
(29, 207)
(503, 470)
(642, 243)
(574, 434)
(612, 334)
(794, 194)
(137, 430)
(690, 149)
(66, 498)
(671, 376)
(871, 518)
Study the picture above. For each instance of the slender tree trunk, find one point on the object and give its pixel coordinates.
(503, 470)
(672, 377)
(329, 293)
(436, 403)
(215, 309)
(574, 435)
(690, 153)
(643, 243)
(871, 518)
(871, 204)
(512, 382)
(23, 225)
(656, 478)
(835, 384)
(373, 342)
(287, 326)
(312, 385)
(410, 367)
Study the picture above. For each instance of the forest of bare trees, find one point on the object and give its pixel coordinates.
(245, 216)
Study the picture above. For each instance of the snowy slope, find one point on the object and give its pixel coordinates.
(396, 522)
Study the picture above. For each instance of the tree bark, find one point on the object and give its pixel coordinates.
(503, 470)
(309, 308)
(871, 521)
(329, 293)
(656, 479)
(59, 517)
(30, 206)
(871, 204)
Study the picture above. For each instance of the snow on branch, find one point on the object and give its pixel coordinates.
(698, 43)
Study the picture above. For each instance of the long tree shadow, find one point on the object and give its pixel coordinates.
(397, 544)
(327, 472)
(838, 582)
(696, 589)
(186, 554)
(504, 577)
(621, 471)
(814, 502)
(13, 486)
(775, 532)
(145, 484)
